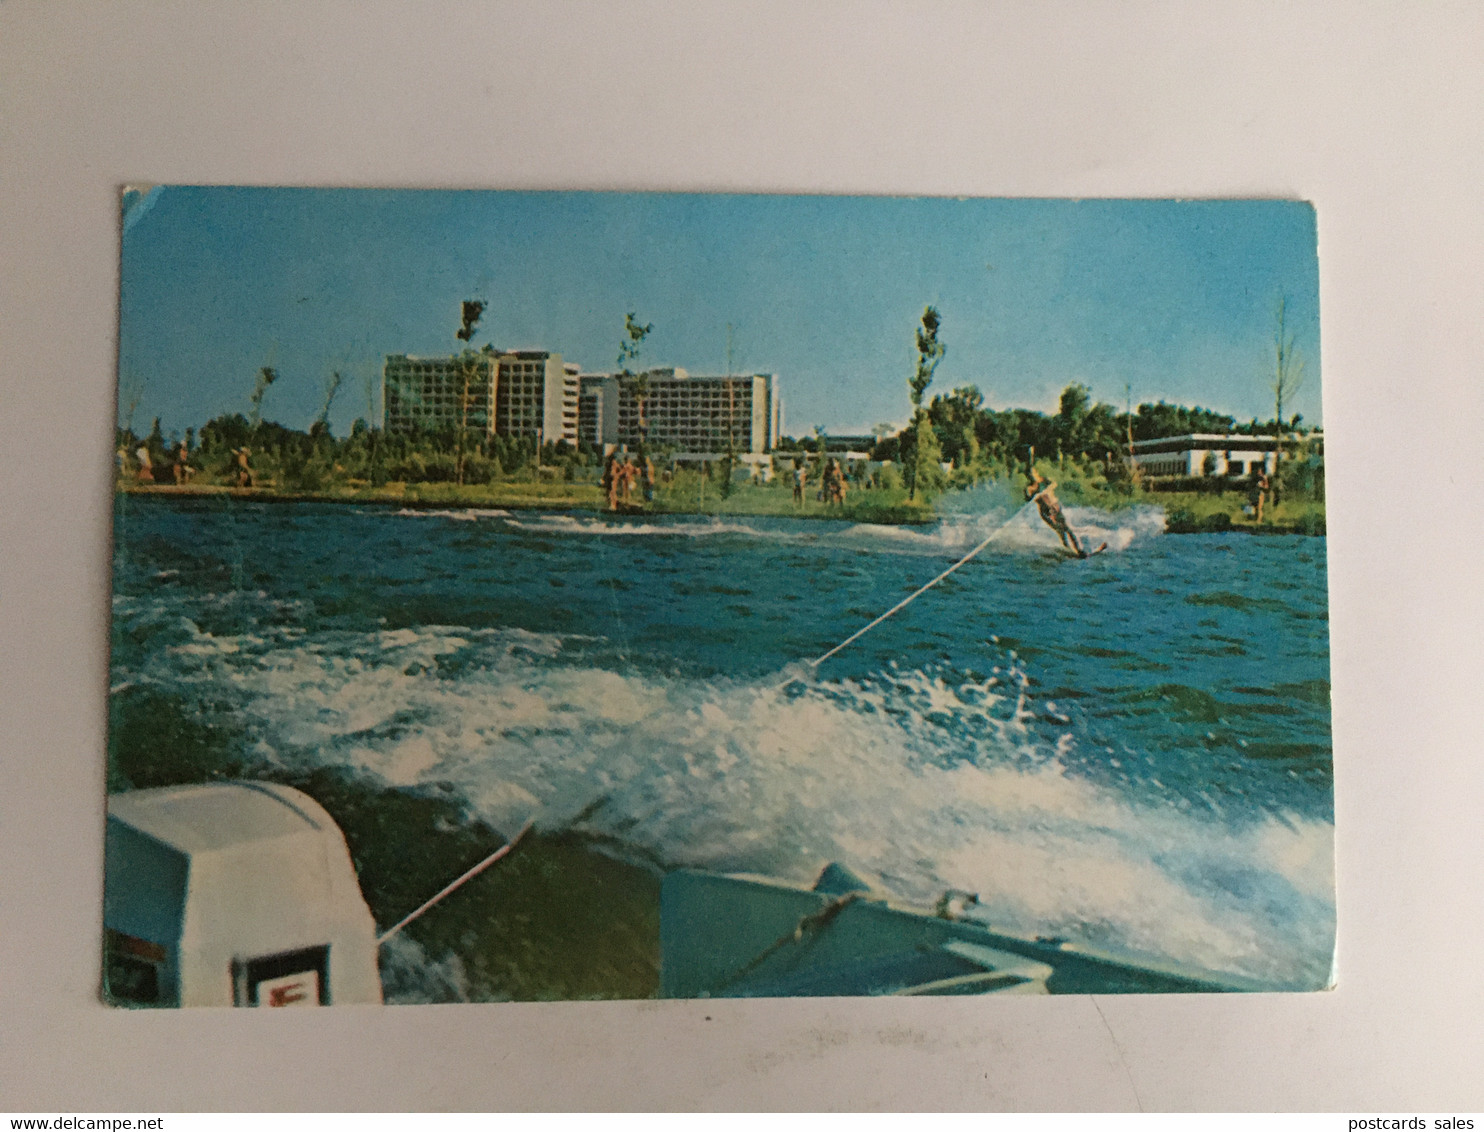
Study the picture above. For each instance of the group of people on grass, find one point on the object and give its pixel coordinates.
(181, 468)
(619, 479)
(832, 485)
(1259, 489)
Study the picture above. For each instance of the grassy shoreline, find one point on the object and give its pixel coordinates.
(1185, 512)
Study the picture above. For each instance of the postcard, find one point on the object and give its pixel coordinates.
(568, 595)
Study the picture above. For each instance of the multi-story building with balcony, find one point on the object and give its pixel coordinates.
(529, 393)
(690, 413)
(597, 409)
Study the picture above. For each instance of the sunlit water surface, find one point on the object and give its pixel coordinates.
(1131, 751)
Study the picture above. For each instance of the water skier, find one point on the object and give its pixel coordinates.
(1043, 493)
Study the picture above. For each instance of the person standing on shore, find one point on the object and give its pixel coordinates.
(610, 481)
(646, 479)
(626, 476)
(146, 472)
(244, 469)
(1257, 491)
(834, 483)
(800, 478)
(183, 470)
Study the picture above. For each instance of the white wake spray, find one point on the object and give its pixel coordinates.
(929, 782)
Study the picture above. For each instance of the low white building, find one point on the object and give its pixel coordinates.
(1201, 454)
(756, 466)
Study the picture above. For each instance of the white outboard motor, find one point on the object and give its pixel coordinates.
(233, 893)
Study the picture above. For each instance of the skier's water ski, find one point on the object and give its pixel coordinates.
(1067, 553)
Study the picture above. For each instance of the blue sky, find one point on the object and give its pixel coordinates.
(1175, 298)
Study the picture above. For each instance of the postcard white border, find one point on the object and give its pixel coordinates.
(1368, 110)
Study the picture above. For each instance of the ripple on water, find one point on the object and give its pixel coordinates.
(1062, 794)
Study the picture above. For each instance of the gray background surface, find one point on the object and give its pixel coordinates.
(1371, 111)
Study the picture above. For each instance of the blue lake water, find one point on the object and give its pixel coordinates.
(1132, 750)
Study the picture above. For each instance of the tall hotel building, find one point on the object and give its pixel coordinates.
(519, 393)
(689, 413)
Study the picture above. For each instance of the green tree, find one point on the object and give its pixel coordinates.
(1071, 417)
(637, 384)
(1159, 420)
(728, 465)
(321, 425)
(373, 447)
(929, 354)
(471, 311)
(155, 442)
(1086, 429)
(266, 377)
(922, 457)
(924, 452)
(1286, 381)
(955, 418)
